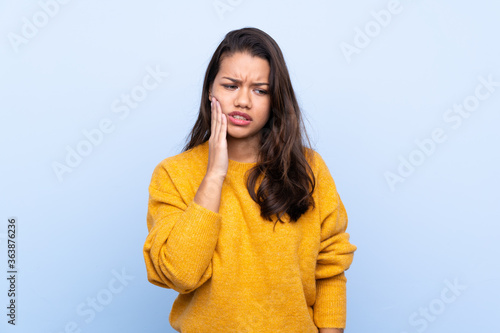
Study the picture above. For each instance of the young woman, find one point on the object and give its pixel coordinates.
(214, 209)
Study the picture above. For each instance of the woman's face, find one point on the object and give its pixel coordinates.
(242, 85)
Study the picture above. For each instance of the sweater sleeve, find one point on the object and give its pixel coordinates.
(182, 236)
(335, 254)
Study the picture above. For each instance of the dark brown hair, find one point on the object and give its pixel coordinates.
(286, 178)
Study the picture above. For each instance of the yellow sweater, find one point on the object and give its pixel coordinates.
(232, 272)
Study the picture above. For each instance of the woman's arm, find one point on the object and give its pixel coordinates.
(335, 253)
(209, 192)
(182, 236)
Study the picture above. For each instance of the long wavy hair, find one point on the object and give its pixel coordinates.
(285, 176)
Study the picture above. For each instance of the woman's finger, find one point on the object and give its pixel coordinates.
(223, 123)
(217, 121)
(212, 115)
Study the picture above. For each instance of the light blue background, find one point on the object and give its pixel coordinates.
(440, 224)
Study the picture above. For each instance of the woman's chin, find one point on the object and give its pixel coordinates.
(239, 135)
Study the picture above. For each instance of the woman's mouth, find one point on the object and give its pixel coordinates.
(239, 118)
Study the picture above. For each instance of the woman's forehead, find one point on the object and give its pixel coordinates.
(244, 67)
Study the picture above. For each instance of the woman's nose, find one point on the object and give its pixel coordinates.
(243, 98)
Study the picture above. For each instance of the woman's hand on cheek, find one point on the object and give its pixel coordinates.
(217, 143)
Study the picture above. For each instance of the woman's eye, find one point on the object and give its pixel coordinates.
(232, 87)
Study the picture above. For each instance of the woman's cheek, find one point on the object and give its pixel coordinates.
(222, 102)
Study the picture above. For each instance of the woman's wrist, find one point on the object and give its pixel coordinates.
(209, 193)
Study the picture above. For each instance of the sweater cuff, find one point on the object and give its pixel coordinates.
(330, 305)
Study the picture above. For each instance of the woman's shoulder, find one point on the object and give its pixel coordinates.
(314, 159)
(193, 158)
(180, 170)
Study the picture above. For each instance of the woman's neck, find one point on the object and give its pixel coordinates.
(243, 150)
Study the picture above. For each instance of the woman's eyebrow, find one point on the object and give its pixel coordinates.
(239, 81)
